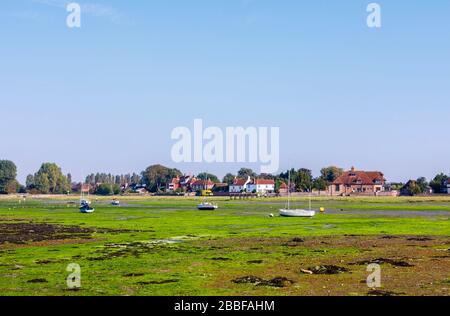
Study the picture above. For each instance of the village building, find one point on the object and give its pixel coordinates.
(261, 186)
(81, 187)
(186, 181)
(356, 182)
(174, 184)
(252, 186)
(283, 190)
(239, 185)
(202, 185)
(221, 188)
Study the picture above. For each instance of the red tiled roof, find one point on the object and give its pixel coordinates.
(264, 182)
(360, 177)
(239, 182)
(283, 186)
(198, 183)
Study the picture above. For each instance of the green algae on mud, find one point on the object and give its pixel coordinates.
(163, 246)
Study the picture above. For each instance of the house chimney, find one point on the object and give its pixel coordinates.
(353, 169)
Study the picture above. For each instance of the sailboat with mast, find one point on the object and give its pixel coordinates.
(207, 206)
(85, 204)
(288, 212)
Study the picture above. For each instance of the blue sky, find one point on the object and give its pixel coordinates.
(107, 96)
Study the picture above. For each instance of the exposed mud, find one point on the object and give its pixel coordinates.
(420, 239)
(132, 275)
(158, 282)
(135, 249)
(326, 269)
(37, 281)
(22, 233)
(256, 281)
(255, 261)
(383, 293)
(392, 262)
(337, 265)
(221, 259)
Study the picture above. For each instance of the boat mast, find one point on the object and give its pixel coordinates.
(310, 194)
(310, 200)
(289, 190)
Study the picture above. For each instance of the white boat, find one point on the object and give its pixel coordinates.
(87, 209)
(115, 203)
(85, 204)
(288, 212)
(297, 213)
(207, 206)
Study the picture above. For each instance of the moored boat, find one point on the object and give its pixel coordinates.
(288, 212)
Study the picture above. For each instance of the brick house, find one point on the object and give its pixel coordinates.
(202, 185)
(174, 184)
(356, 182)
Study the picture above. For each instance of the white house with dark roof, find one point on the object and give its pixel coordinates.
(239, 185)
(262, 186)
(252, 185)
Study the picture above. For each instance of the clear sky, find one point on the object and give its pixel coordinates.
(106, 97)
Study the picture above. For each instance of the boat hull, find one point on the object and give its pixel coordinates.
(87, 210)
(297, 213)
(207, 208)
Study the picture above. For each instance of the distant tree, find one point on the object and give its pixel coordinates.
(229, 178)
(437, 183)
(104, 189)
(22, 189)
(30, 182)
(210, 176)
(50, 179)
(422, 183)
(303, 180)
(267, 176)
(320, 184)
(246, 172)
(116, 189)
(157, 176)
(12, 187)
(135, 179)
(8, 174)
(69, 178)
(42, 183)
(329, 174)
(411, 188)
(285, 176)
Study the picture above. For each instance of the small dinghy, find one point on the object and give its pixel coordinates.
(207, 206)
(115, 203)
(288, 212)
(85, 207)
(296, 213)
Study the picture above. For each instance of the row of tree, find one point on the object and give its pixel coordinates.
(120, 180)
(49, 179)
(422, 186)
